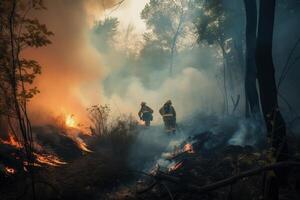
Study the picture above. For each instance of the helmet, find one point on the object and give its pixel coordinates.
(143, 103)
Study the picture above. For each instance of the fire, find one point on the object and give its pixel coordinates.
(48, 159)
(73, 131)
(10, 170)
(70, 121)
(175, 167)
(188, 148)
(82, 145)
(12, 141)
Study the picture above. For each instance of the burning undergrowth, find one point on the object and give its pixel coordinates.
(68, 146)
(69, 161)
(52, 148)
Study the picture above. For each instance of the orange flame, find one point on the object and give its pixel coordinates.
(70, 121)
(48, 159)
(12, 141)
(82, 145)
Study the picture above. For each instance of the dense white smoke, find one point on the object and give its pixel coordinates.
(191, 91)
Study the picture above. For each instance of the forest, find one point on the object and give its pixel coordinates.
(149, 99)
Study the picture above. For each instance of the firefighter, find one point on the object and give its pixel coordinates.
(169, 116)
(145, 114)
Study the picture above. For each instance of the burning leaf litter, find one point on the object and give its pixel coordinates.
(12, 141)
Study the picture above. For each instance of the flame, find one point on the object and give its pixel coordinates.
(70, 121)
(188, 148)
(48, 159)
(73, 130)
(12, 141)
(82, 145)
(10, 170)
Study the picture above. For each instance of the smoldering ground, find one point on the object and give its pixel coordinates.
(153, 144)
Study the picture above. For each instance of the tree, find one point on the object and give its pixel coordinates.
(266, 78)
(167, 23)
(17, 74)
(250, 73)
(103, 34)
(218, 23)
(211, 23)
(274, 121)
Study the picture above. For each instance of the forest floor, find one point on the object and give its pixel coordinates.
(201, 173)
(112, 171)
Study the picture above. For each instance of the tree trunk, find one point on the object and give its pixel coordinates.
(224, 76)
(174, 41)
(266, 78)
(250, 72)
(268, 95)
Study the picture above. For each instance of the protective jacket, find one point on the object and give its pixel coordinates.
(145, 113)
(169, 116)
(167, 111)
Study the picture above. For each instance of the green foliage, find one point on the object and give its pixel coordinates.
(17, 32)
(211, 21)
(35, 34)
(161, 18)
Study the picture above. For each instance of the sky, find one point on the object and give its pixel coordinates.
(128, 13)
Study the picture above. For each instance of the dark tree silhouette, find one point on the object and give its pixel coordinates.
(266, 77)
(250, 73)
(268, 94)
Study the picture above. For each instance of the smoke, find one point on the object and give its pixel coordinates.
(71, 67)
(151, 145)
(74, 72)
(248, 133)
(154, 146)
(191, 91)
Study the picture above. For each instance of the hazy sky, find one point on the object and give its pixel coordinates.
(128, 13)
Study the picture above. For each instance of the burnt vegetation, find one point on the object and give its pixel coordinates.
(247, 148)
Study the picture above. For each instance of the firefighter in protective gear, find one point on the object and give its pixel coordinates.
(145, 114)
(169, 116)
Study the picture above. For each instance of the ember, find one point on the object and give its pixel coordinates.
(176, 166)
(10, 170)
(188, 148)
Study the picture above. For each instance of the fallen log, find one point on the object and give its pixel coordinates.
(225, 182)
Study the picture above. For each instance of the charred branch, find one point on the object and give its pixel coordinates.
(161, 176)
